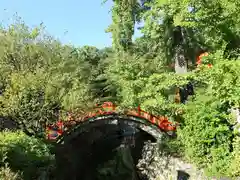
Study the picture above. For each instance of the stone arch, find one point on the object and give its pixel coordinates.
(112, 119)
(89, 141)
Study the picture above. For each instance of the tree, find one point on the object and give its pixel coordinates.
(124, 14)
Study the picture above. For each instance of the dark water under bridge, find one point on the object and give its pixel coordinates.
(89, 146)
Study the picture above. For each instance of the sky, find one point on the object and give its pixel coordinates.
(78, 22)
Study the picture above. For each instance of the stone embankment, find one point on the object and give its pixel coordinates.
(155, 165)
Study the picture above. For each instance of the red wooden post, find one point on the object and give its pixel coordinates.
(114, 107)
(139, 111)
(60, 127)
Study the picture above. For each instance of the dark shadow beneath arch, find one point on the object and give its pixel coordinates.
(181, 175)
(81, 156)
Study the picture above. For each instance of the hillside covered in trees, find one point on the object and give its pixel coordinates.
(40, 79)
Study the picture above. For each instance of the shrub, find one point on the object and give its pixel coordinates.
(234, 169)
(7, 173)
(23, 154)
(207, 132)
(39, 76)
(26, 103)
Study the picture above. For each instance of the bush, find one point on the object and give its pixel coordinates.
(24, 154)
(7, 173)
(26, 103)
(39, 76)
(206, 135)
(207, 132)
(234, 169)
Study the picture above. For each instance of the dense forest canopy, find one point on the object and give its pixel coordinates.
(40, 78)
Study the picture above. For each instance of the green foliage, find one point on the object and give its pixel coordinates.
(124, 15)
(7, 173)
(25, 102)
(206, 134)
(234, 169)
(28, 156)
(40, 77)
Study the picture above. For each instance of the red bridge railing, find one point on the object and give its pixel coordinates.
(107, 108)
